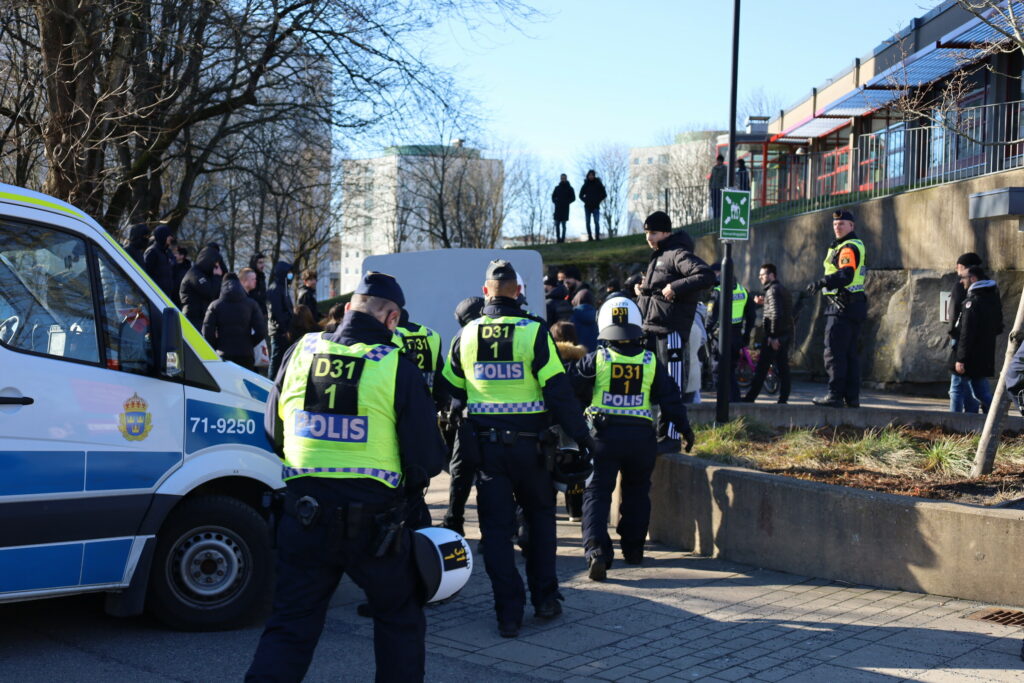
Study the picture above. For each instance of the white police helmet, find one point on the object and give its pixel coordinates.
(619, 320)
(444, 561)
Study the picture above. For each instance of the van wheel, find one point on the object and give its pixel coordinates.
(213, 566)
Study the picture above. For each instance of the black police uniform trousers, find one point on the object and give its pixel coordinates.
(462, 471)
(842, 362)
(509, 475)
(310, 563)
(631, 450)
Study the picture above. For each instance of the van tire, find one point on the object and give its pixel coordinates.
(213, 568)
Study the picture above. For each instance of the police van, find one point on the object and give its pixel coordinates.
(133, 461)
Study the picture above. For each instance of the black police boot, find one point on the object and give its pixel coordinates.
(363, 609)
(853, 403)
(549, 609)
(829, 401)
(509, 629)
(632, 553)
(669, 446)
(598, 568)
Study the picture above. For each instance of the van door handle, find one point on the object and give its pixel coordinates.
(16, 401)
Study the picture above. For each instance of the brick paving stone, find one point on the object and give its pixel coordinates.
(616, 673)
(655, 672)
(738, 673)
(828, 672)
(772, 675)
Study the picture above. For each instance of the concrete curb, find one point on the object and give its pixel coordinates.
(817, 416)
(839, 533)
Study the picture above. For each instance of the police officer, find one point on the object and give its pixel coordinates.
(741, 315)
(422, 346)
(620, 381)
(355, 425)
(846, 309)
(504, 365)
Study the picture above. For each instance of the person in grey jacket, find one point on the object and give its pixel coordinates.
(778, 332)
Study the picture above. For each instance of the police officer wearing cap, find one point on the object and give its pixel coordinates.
(846, 310)
(505, 367)
(354, 422)
(620, 381)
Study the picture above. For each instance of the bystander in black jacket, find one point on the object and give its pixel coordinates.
(259, 292)
(279, 301)
(307, 298)
(778, 312)
(562, 196)
(558, 307)
(420, 445)
(673, 263)
(592, 193)
(159, 262)
(178, 273)
(981, 321)
(234, 323)
(138, 240)
(200, 286)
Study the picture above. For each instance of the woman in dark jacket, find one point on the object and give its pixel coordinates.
(302, 324)
(200, 286)
(234, 324)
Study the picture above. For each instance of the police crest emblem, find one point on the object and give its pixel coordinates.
(135, 422)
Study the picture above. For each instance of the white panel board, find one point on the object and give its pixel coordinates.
(434, 282)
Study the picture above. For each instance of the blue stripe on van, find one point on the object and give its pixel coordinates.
(41, 472)
(45, 566)
(256, 391)
(105, 561)
(107, 470)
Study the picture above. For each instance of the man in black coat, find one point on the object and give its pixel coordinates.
(159, 262)
(961, 396)
(307, 294)
(556, 301)
(592, 194)
(981, 321)
(667, 297)
(562, 196)
(138, 240)
(234, 324)
(200, 286)
(259, 293)
(279, 313)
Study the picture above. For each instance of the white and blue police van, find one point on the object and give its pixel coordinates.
(133, 461)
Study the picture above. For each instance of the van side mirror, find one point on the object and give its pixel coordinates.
(171, 351)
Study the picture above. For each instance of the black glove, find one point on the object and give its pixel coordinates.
(1020, 402)
(813, 287)
(689, 438)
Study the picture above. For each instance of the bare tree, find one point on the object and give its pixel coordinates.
(528, 195)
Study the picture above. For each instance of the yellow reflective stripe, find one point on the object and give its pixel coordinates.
(194, 338)
(40, 202)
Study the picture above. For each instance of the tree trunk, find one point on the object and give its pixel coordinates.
(985, 457)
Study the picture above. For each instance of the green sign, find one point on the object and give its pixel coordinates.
(735, 215)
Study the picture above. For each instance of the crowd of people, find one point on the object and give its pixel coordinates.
(246, 317)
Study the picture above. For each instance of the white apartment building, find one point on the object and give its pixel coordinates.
(670, 178)
(390, 202)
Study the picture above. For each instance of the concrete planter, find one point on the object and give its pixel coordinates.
(835, 532)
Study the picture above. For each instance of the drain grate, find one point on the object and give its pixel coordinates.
(1006, 617)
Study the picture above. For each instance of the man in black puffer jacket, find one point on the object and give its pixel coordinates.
(159, 262)
(200, 286)
(667, 297)
(279, 313)
(234, 324)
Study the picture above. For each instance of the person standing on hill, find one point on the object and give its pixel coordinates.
(592, 194)
(562, 196)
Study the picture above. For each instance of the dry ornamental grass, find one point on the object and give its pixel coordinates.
(923, 462)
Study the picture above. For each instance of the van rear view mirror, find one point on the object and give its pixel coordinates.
(171, 352)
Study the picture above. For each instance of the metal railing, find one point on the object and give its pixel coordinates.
(969, 142)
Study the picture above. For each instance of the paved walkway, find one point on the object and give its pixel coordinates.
(678, 617)
(684, 617)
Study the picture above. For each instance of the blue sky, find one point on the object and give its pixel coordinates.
(600, 71)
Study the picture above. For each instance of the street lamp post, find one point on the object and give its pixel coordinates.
(725, 294)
